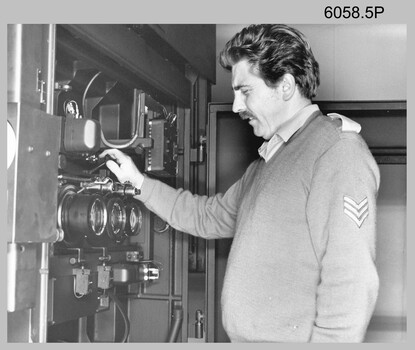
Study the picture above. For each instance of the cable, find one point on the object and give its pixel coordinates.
(87, 88)
(123, 314)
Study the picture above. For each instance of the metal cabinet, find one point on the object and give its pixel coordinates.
(87, 262)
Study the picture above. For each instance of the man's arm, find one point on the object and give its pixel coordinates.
(207, 217)
(342, 215)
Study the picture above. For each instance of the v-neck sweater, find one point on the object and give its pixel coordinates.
(300, 269)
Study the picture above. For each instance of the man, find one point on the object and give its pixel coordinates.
(302, 217)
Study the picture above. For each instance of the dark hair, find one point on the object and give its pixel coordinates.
(275, 49)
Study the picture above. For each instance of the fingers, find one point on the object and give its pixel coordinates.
(123, 167)
(115, 169)
(116, 154)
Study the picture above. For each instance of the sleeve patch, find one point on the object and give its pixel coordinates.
(358, 212)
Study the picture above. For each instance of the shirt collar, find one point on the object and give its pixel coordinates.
(285, 131)
(289, 127)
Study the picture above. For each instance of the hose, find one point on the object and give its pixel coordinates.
(124, 316)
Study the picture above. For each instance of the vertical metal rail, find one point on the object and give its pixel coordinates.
(184, 128)
(44, 263)
(210, 244)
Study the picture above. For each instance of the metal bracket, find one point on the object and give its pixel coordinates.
(79, 259)
(41, 86)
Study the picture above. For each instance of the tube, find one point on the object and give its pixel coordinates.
(176, 325)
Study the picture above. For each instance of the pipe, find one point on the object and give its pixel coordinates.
(176, 325)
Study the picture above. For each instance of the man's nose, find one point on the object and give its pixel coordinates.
(238, 105)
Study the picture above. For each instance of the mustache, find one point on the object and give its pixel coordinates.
(246, 115)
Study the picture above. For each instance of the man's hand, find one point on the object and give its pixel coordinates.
(123, 167)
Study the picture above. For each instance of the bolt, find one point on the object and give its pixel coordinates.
(47, 153)
(30, 149)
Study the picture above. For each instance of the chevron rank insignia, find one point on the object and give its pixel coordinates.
(358, 212)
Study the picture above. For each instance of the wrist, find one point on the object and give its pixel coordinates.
(138, 182)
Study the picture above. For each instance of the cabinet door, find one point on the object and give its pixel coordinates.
(34, 137)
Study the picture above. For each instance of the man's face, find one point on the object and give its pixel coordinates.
(255, 101)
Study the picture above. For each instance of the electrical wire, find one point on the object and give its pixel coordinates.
(87, 88)
(123, 314)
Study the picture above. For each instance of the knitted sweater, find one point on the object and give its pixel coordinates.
(301, 266)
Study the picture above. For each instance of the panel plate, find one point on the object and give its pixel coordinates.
(32, 182)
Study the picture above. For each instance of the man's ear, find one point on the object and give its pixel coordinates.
(288, 86)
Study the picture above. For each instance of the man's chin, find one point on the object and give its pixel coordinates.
(258, 133)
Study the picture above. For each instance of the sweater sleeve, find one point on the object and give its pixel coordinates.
(341, 212)
(206, 217)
